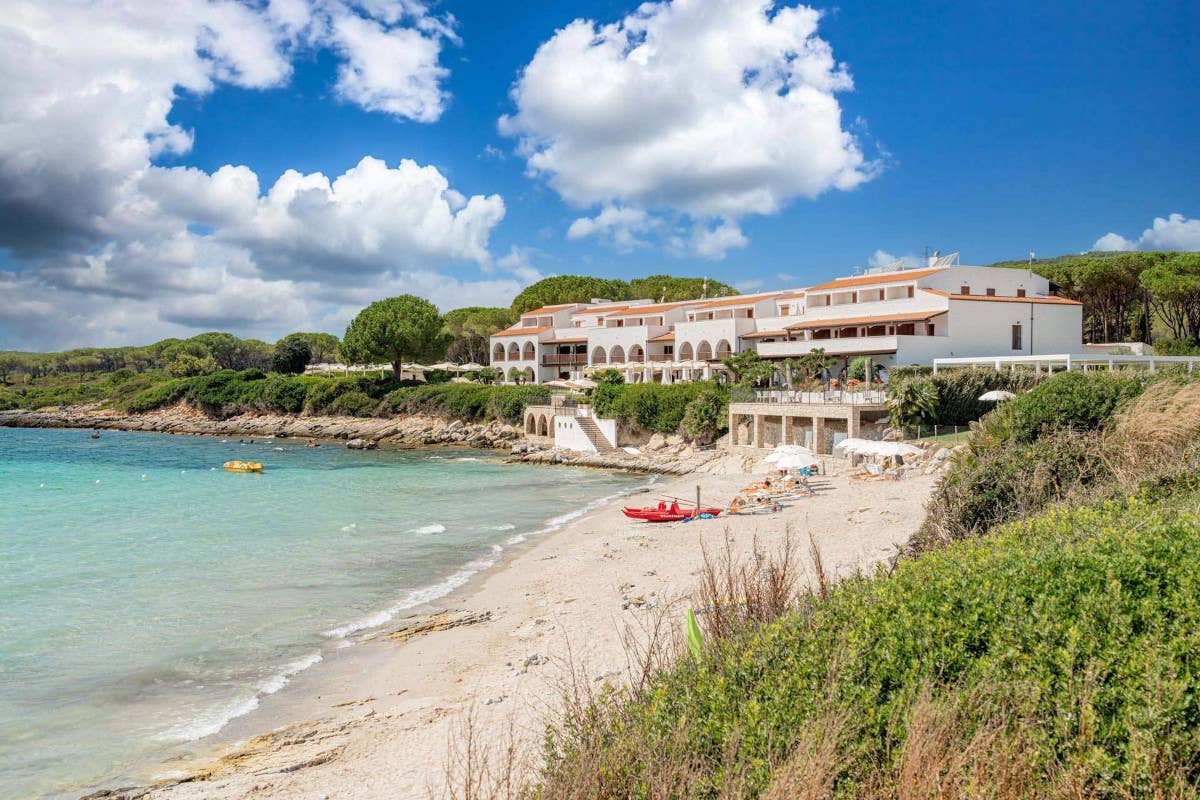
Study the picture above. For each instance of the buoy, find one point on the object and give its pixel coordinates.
(143, 476)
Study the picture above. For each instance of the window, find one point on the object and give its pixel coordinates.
(668, 349)
(991, 292)
(910, 291)
(964, 290)
(1016, 337)
(1020, 292)
(930, 329)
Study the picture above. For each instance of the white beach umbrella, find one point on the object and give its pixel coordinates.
(585, 383)
(558, 383)
(887, 449)
(788, 450)
(851, 445)
(996, 395)
(794, 461)
(413, 368)
(471, 366)
(444, 365)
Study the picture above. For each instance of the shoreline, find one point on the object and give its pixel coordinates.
(375, 719)
(415, 430)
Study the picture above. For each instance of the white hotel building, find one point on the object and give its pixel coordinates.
(895, 316)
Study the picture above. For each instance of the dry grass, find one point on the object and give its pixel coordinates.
(1156, 435)
(736, 593)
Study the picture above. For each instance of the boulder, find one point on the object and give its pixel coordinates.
(657, 442)
(361, 444)
(674, 440)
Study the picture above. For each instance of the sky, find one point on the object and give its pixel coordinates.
(267, 167)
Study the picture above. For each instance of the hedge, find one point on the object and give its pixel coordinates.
(651, 407)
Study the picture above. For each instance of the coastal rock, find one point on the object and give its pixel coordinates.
(657, 442)
(357, 444)
(419, 625)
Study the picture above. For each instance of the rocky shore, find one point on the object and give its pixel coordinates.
(407, 431)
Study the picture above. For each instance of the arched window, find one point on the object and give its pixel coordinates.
(514, 352)
(616, 355)
(704, 352)
(599, 356)
(498, 352)
(530, 352)
(531, 423)
(685, 351)
(514, 375)
(636, 354)
(527, 375)
(543, 426)
(723, 349)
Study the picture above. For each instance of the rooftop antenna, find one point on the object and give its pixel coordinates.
(1031, 256)
(704, 291)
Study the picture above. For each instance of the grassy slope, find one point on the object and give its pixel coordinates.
(1067, 643)
(1053, 657)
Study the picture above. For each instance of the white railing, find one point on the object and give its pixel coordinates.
(866, 397)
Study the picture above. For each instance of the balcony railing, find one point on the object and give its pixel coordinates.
(564, 359)
(661, 357)
(866, 397)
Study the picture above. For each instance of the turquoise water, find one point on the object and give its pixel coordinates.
(146, 599)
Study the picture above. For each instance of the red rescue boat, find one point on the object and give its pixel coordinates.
(666, 513)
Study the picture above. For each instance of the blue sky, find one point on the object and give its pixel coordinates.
(989, 129)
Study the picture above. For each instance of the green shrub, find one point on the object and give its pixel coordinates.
(651, 407)
(1176, 347)
(1057, 657)
(226, 391)
(283, 395)
(957, 393)
(508, 403)
(1081, 400)
(161, 394)
(354, 403)
(990, 485)
(706, 415)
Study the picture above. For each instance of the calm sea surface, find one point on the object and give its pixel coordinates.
(147, 598)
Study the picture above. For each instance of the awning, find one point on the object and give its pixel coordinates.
(842, 322)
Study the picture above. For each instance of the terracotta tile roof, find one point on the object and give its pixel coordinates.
(764, 334)
(995, 298)
(548, 309)
(841, 322)
(792, 295)
(566, 340)
(666, 337)
(639, 311)
(872, 280)
(736, 300)
(608, 308)
(522, 331)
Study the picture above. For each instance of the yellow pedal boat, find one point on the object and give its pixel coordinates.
(243, 466)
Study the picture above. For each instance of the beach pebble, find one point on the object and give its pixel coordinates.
(536, 660)
(491, 701)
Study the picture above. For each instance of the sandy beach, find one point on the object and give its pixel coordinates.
(376, 720)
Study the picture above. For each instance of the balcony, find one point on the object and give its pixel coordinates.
(661, 358)
(564, 359)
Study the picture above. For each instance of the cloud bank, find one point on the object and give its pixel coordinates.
(1174, 232)
(708, 110)
(110, 248)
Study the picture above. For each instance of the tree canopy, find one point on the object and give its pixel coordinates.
(568, 289)
(291, 354)
(477, 321)
(394, 330)
(582, 288)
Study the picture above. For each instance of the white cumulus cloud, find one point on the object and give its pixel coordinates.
(711, 108)
(882, 258)
(118, 249)
(1174, 232)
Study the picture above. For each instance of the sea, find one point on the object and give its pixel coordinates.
(148, 597)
